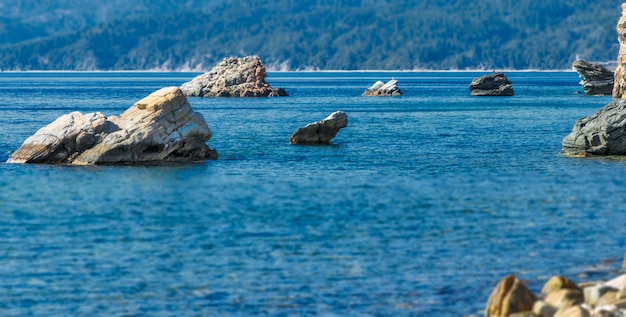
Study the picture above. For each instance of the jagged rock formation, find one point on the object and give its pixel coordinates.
(322, 131)
(384, 89)
(496, 84)
(233, 77)
(619, 87)
(602, 133)
(595, 79)
(161, 127)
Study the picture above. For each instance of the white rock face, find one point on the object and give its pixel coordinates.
(162, 127)
(233, 77)
(379, 88)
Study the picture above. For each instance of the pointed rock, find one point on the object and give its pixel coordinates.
(510, 296)
(322, 131)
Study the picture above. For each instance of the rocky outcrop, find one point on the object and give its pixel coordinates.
(595, 79)
(384, 89)
(233, 77)
(602, 133)
(496, 84)
(619, 86)
(606, 299)
(162, 127)
(322, 131)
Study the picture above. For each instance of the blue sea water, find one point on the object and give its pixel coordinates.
(417, 208)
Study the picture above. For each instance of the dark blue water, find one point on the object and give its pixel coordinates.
(418, 208)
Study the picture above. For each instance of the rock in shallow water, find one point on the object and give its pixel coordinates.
(602, 133)
(595, 79)
(322, 131)
(233, 77)
(496, 84)
(384, 89)
(162, 127)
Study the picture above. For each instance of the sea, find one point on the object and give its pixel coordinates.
(419, 207)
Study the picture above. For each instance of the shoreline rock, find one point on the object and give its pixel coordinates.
(233, 77)
(322, 131)
(161, 127)
(595, 79)
(559, 297)
(379, 88)
(495, 84)
(600, 134)
(619, 86)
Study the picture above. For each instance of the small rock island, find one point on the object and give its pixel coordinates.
(496, 84)
(233, 77)
(161, 127)
(320, 132)
(379, 88)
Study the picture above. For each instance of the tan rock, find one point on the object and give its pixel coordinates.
(508, 297)
(574, 311)
(619, 86)
(565, 298)
(557, 283)
(543, 309)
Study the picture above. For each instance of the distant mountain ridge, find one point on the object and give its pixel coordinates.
(306, 34)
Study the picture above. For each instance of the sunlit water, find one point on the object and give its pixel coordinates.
(417, 208)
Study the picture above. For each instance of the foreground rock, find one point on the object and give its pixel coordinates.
(384, 89)
(619, 86)
(162, 127)
(233, 77)
(322, 131)
(496, 84)
(561, 297)
(595, 79)
(602, 133)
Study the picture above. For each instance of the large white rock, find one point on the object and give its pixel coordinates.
(161, 127)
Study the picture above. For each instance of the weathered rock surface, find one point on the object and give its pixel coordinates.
(602, 133)
(322, 131)
(509, 296)
(162, 127)
(563, 298)
(496, 84)
(595, 79)
(384, 89)
(233, 77)
(619, 86)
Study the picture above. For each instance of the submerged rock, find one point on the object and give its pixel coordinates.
(619, 86)
(322, 131)
(496, 84)
(595, 79)
(384, 89)
(161, 127)
(602, 133)
(233, 77)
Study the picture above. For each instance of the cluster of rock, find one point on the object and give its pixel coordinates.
(560, 297)
(322, 131)
(161, 127)
(604, 132)
(619, 87)
(233, 77)
(496, 84)
(379, 88)
(596, 80)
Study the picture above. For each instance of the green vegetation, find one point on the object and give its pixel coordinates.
(311, 34)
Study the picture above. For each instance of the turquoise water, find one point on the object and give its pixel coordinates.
(417, 208)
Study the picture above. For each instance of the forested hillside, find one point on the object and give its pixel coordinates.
(307, 34)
